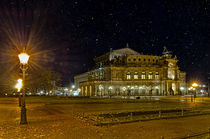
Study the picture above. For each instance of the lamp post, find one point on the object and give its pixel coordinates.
(19, 86)
(23, 57)
(190, 89)
(110, 91)
(195, 85)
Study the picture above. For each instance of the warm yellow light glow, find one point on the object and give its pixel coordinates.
(23, 57)
(194, 85)
(19, 84)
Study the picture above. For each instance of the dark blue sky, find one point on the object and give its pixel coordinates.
(79, 30)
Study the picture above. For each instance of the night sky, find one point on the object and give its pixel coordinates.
(73, 32)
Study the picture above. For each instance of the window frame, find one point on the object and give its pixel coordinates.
(128, 76)
(143, 75)
(136, 76)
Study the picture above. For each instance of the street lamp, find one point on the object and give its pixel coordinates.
(18, 87)
(23, 57)
(73, 86)
(110, 91)
(193, 87)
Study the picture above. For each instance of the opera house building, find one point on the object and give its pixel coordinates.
(125, 72)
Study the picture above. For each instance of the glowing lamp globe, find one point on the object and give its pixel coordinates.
(194, 85)
(23, 57)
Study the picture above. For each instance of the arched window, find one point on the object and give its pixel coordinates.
(136, 76)
(128, 76)
(156, 75)
(96, 75)
(101, 74)
(150, 75)
(143, 75)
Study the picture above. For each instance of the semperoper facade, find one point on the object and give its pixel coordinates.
(125, 72)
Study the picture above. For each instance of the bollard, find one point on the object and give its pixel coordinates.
(159, 114)
(162, 137)
(131, 116)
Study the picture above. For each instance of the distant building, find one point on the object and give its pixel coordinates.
(203, 88)
(126, 72)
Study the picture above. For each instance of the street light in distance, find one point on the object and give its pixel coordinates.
(194, 86)
(18, 87)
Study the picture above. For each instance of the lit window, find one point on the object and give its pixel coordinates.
(136, 76)
(143, 75)
(128, 75)
(96, 75)
(157, 75)
(101, 75)
(150, 75)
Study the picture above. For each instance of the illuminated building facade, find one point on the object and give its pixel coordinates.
(125, 72)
